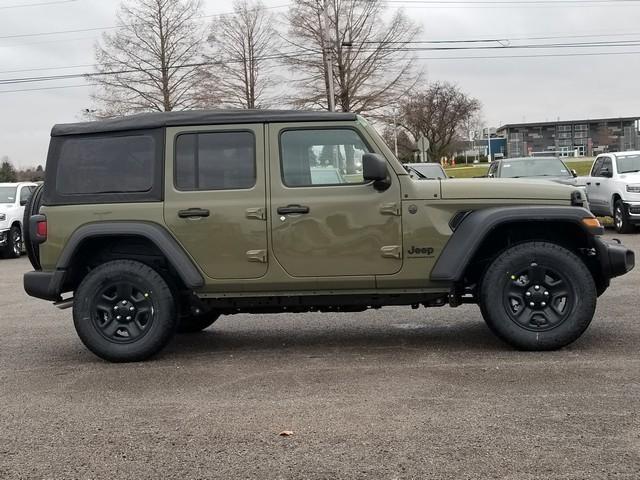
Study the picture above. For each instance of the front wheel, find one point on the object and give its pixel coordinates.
(124, 311)
(538, 296)
(13, 248)
(621, 218)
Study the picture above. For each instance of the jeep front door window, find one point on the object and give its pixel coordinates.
(321, 157)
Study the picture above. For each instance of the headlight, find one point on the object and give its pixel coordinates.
(3, 217)
(633, 188)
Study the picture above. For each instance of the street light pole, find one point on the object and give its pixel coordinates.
(326, 40)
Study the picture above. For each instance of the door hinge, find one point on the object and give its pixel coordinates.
(259, 256)
(391, 251)
(258, 213)
(390, 209)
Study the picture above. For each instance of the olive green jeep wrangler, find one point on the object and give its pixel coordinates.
(158, 223)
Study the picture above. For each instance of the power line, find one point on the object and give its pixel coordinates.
(40, 4)
(116, 27)
(48, 88)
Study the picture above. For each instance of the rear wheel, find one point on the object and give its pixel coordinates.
(32, 208)
(538, 296)
(621, 218)
(124, 311)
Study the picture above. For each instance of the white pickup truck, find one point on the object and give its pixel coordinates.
(13, 198)
(613, 188)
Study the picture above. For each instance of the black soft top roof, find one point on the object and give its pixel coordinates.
(196, 117)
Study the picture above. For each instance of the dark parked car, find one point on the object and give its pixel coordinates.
(548, 168)
(425, 171)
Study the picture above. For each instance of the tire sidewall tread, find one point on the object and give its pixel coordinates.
(497, 275)
(164, 322)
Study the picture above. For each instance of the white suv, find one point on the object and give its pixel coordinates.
(13, 198)
(613, 188)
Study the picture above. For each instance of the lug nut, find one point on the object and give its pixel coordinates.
(537, 287)
(546, 293)
(543, 304)
(528, 294)
(124, 302)
(118, 317)
(116, 307)
(128, 318)
(532, 304)
(131, 309)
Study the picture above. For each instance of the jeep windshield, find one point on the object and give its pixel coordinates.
(628, 164)
(534, 167)
(8, 194)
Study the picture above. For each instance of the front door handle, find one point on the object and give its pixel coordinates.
(588, 183)
(193, 213)
(292, 209)
(598, 184)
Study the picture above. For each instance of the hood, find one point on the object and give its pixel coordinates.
(505, 188)
(630, 177)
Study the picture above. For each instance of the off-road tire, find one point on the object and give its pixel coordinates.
(556, 266)
(197, 322)
(150, 296)
(13, 247)
(621, 219)
(32, 208)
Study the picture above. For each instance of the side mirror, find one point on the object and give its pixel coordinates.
(605, 172)
(374, 169)
(574, 173)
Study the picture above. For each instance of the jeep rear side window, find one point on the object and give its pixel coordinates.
(215, 161)
(106, 165)
(321, 157)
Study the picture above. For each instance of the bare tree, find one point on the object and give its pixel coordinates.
(243, 47)
(152, 62)
(371, 66)
(437, 112)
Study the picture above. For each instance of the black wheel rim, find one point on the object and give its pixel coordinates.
(539, 298)
(16, 241)
(122, 312)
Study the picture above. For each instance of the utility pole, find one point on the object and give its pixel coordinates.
(326, 37)
(395, 131)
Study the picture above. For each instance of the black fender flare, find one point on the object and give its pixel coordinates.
(155, 233)
(476, 225)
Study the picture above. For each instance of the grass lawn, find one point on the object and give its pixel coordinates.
(582, 167)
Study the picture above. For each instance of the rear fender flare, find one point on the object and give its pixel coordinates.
(155, 233)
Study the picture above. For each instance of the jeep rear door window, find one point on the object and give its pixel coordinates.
(321, 157)
(215, 161)
(95, 165)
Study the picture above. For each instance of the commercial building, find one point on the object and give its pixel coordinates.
(571, 138)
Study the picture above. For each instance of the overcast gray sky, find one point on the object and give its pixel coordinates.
(510, 89)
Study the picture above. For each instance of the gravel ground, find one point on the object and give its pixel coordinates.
(394, 393)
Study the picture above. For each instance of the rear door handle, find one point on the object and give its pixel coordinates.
(598, 184)
(293, 209)
(193, 213)
(588, 183)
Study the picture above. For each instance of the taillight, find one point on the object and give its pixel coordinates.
(41, 229)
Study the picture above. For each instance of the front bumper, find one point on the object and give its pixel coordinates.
(633, 209)
(615, 259)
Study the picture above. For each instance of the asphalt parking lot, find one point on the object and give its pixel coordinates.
(394, 393)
